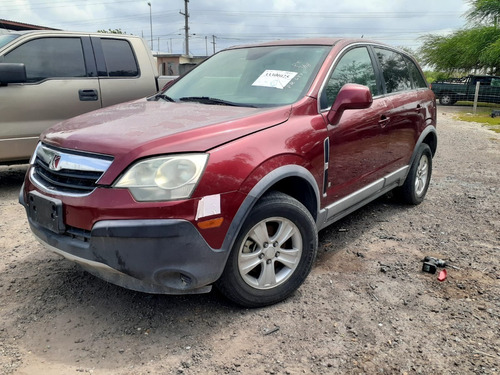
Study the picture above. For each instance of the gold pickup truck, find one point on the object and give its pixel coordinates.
(50, 76)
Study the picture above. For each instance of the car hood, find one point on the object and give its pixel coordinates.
(142, 128)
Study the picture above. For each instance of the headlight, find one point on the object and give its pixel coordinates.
(164, 178)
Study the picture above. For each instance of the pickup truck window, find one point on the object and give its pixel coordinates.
(395, 71)
(120, 59)
(354, 67)
(50, 58)
(484, 81)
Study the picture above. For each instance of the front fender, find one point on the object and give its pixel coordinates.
(266, 183)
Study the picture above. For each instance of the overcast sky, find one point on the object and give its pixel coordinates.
(395, 22)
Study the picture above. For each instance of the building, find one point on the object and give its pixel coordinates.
(17, 26)
(175, 64)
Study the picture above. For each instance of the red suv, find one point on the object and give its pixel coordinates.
(226, 176)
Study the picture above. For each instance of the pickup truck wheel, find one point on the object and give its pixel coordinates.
(447, 99)
(273, 253)
(417, 182)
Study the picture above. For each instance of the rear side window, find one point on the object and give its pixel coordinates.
(355, 66)
(50, 58)
(395, 71)
(120, 59)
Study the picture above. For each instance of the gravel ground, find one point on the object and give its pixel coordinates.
(366, 308)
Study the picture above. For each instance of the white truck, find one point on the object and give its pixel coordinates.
(50, 76)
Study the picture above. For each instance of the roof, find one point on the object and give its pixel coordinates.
(310, 42)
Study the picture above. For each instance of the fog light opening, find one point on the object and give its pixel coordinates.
(185, 280)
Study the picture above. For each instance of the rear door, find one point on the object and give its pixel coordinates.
(61, 83)
(123, 74)
(401, 80)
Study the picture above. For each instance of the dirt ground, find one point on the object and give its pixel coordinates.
(366, 308)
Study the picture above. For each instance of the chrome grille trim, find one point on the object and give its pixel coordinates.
(66, 172)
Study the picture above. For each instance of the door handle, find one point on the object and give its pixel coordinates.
(88, 95)
(384, 120)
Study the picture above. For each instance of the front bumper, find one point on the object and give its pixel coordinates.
(165, 256)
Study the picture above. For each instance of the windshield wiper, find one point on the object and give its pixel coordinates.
(208, 100)
(161, 96)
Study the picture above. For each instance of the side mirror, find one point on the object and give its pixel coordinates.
(350, 96)
(12, 73)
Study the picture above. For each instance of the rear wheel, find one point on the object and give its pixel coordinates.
(272, 255)
(417, 182)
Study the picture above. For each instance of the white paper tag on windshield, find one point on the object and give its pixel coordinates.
(274, 78)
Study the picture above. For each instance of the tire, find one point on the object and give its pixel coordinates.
(447, 99)
(273, 253)
(417, 182)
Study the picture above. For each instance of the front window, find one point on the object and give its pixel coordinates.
(355, 66)
(259, 76)
(50, 58)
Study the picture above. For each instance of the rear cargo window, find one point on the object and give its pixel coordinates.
(120, 59)
(50, 58)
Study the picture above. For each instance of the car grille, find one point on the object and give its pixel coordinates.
(67, 172)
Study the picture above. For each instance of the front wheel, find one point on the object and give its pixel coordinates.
(273, 253)
(447, 99)
(417, 182)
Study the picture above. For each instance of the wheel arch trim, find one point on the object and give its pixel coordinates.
(264, 185)
(429, 133)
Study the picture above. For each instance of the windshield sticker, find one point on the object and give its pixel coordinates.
(274, 78)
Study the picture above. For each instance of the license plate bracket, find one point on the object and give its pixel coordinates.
(46, 211)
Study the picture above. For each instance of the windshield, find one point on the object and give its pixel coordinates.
(6, 38)
(258, 76)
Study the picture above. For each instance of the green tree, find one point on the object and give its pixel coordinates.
(465, 50)
(474, 48)
(484, 11)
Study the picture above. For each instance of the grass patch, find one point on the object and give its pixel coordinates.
(482, 116)
(479, 104)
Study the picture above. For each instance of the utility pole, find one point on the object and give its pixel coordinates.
(151, 24)
(213, 42)
(186, 25)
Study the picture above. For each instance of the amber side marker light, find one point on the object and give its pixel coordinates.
(212, 223)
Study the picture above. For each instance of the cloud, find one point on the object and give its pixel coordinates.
(233, 22)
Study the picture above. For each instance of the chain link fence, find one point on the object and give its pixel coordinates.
(473, 91)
